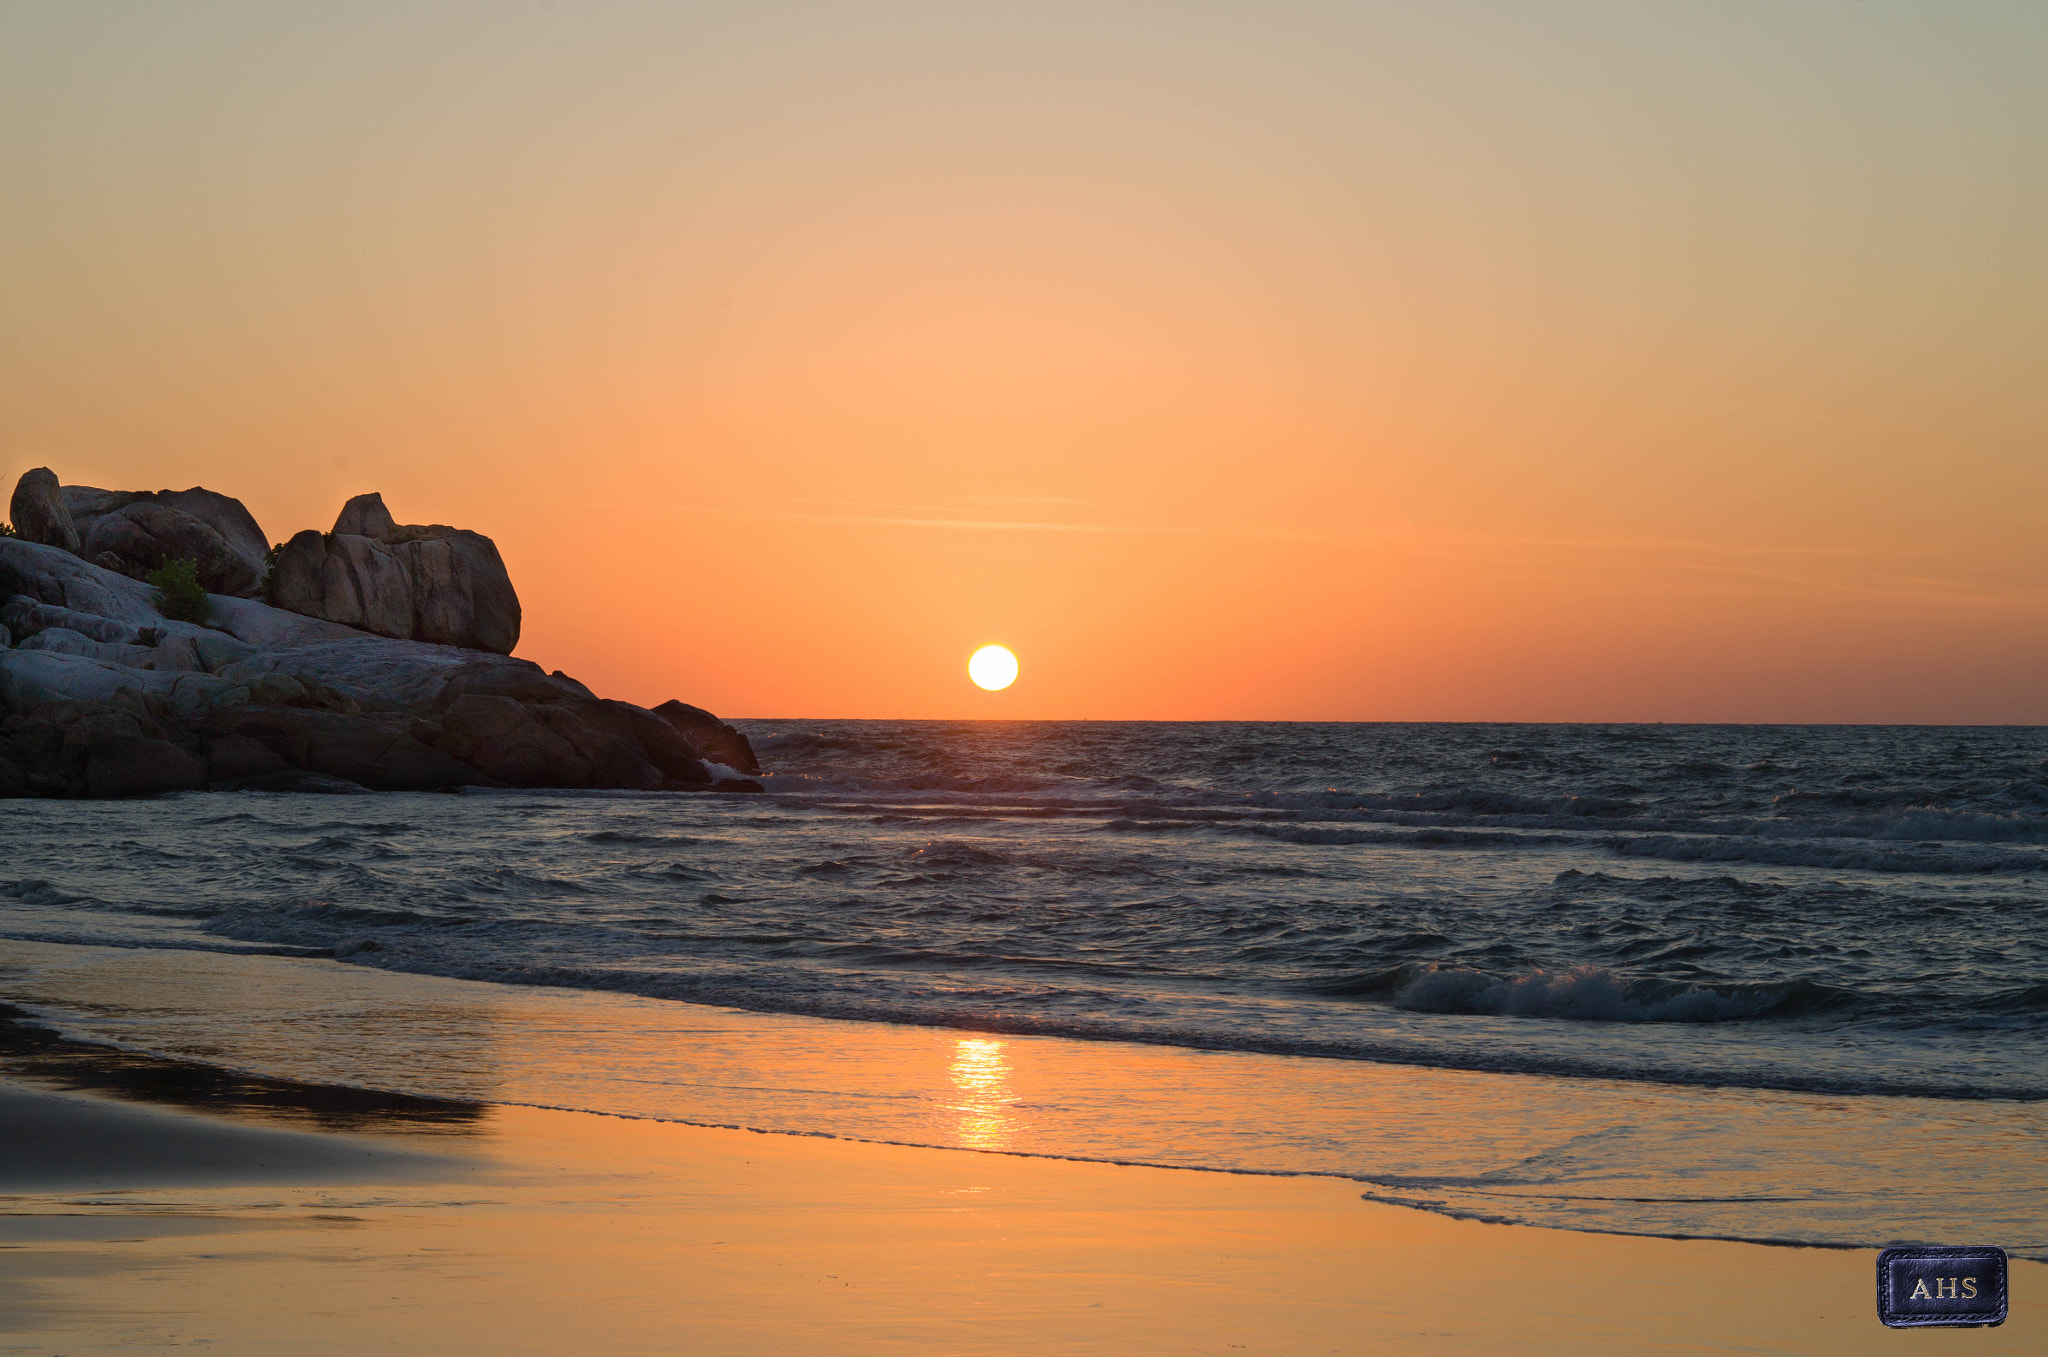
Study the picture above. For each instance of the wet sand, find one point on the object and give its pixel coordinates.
(81, 1144)
(527, 1231)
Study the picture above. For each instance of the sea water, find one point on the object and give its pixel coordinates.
(1784, 983)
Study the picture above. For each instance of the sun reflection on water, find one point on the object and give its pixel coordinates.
(981, 1076)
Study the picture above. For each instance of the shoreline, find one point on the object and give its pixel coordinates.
(644, 1235)
(1623, 1160)
(119, 1080)
(520, 1229)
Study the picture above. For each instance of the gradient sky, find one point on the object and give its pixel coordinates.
(1563, 361)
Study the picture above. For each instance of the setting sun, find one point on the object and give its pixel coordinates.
(993, 667)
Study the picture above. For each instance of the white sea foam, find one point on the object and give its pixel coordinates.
(1593, 993)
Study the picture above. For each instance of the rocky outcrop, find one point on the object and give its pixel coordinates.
(230, 518)
(230, 758)
(462, 595)
(544, 746)
(38, 511)
(341, 577)
(441, 585)
(381, 752)
(87, 504)
(132, 532)
(137, 538)
(28, 616)
(366, 516)
(101, 695)
(64, 641)
(135, 765)
(91, 749)
(710, 738)
(47, 574)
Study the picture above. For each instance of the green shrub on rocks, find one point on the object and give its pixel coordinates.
(179, 594)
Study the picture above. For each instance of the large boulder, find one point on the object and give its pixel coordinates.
(366, 516)
(640, 729)
(462, 595)
(87, 504)
(709, 738)
(228, 518)
(38, 511)
(341, 577)
(440, 585)
(137, 538)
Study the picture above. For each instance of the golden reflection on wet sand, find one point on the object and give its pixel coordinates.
(981, 1076)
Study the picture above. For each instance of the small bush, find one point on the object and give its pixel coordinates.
(7, 530)
(179, 594)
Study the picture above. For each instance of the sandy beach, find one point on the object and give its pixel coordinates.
(137, 1228)
(1257, 677)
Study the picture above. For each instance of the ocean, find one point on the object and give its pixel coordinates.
(1787, 984)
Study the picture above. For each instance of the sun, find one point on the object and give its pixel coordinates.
(993, 667)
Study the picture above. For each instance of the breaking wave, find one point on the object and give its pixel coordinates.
(1474, 896)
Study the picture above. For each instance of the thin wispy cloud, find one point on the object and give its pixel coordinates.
(1677, 545)
(1023, 499)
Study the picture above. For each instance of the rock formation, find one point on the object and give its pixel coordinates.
(344, 578)
(137, 538)
(351, 686)
(39, 513)
(447, 586)
(132, 532)
(711, 739)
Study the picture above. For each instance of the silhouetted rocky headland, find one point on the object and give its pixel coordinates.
(152, 641)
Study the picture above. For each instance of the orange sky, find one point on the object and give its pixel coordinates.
(1446, 361)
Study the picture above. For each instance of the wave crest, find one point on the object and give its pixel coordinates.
(1595, 994)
